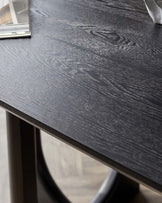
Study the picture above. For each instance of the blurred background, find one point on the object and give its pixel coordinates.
(14, 11)
(67, 166)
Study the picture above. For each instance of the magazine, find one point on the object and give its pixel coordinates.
(14, 18)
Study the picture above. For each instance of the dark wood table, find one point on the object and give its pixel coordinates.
(91, 75)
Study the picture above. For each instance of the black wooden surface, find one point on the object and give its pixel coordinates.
(92, 75)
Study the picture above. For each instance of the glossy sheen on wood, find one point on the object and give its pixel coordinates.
(92, 75)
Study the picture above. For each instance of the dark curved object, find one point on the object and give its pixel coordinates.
(44, 175)
(116, 187)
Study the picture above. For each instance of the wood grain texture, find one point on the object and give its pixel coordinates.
(91, 75)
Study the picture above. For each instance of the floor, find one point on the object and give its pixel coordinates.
(68, 167)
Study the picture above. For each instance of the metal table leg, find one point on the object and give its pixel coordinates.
(22, 160)
(116, 188)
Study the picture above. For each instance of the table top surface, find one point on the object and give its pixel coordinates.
(92, 75)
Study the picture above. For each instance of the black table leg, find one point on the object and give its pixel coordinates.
(22, 160)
